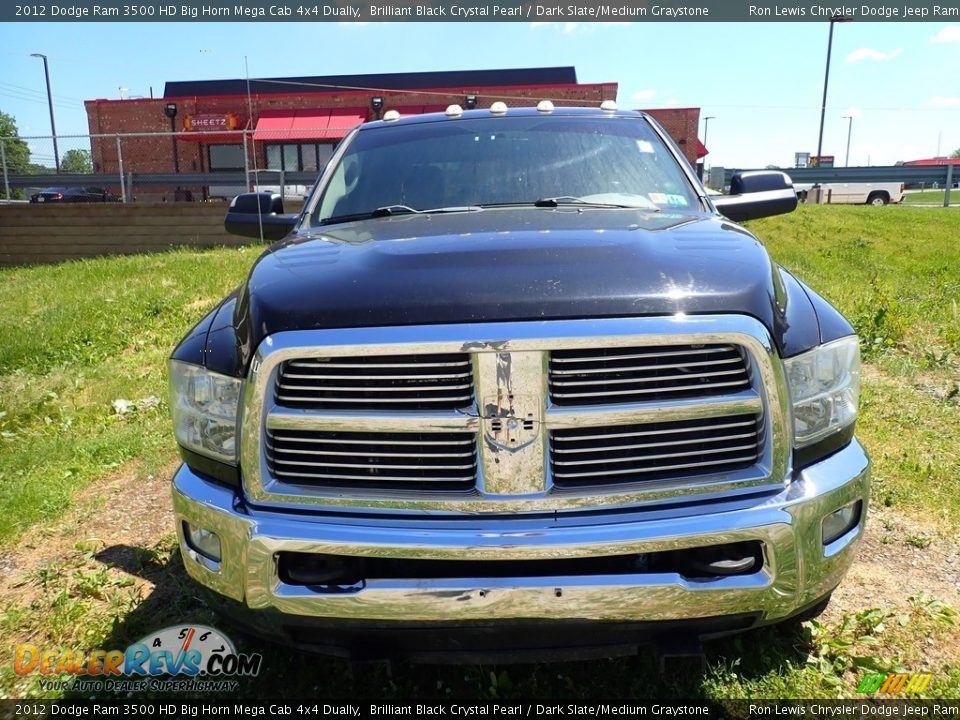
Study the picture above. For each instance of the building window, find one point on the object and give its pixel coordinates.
(297, 157)
(226, 157)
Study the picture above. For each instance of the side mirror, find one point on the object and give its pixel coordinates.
(756, 194)
(251, 212)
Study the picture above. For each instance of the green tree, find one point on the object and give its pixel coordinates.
(15, 150)
(76, 161)
(955, 153)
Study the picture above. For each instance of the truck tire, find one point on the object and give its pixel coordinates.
(877, 199)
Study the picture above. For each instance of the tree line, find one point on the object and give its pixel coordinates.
(18, 162)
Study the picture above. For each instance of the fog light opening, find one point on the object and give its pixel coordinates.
(714, 561)
(840, 522)
(202, 541)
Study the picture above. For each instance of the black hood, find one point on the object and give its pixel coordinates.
(509, 264)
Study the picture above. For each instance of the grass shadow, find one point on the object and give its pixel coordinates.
(292, 674)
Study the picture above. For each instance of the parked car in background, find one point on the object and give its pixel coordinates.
(854, 193)
(72, 194)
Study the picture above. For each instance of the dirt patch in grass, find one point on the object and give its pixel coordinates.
(899, 558)
(130, 509)
(908, 572)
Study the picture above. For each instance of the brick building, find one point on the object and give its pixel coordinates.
(292, 124)
(682, 124)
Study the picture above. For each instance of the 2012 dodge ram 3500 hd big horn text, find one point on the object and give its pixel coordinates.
(513, 381)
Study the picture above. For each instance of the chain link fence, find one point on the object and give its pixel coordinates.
(161, 166)
(216, 165)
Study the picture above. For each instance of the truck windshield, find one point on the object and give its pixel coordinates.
(465, 164)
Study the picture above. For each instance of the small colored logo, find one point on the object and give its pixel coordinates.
(894, 683)
(184, 652)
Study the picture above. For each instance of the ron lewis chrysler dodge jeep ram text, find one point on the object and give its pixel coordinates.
(513, 381)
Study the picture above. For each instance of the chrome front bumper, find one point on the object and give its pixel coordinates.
(798, 568)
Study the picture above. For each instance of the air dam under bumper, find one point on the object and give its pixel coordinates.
(797, 568)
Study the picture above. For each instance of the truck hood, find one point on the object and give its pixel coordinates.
(508, 264)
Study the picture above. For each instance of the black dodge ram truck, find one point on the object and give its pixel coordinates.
(512, 381)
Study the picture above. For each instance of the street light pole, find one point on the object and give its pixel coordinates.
(706, 126)
(846, 162)
(53, 125)
(826, 81)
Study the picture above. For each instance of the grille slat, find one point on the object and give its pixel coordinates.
(658, 456)
(352, 460)
(660, 468)
(334, 403)
(646, 368)
(379, 383)
(363, 388)
(677, 449)
(376, 443)
(316, 376)
(571, 436)
(372, 363)
(341, 453)
(714, 387)
(613, 375)
(356, 482)
(573, 356)
(670, 443)
(623, 381)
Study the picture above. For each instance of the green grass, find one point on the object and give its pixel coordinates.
(76, 337)
(895, 274)
(934, 197)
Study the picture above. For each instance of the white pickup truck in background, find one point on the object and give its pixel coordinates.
(853, 193)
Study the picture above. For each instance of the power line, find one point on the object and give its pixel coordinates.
(39, 92)
(19, 96)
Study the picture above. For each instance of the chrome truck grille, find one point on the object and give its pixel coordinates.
(634, 453)
(351, 460)
(515, 417)
(617, 375)
(392, 382)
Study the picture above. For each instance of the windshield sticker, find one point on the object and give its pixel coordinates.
(645, 146)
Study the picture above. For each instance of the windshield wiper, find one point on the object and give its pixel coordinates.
(552, 202)
(392, 210)
(571, 201)
(385, 211)
(388, 210)
(452, 209)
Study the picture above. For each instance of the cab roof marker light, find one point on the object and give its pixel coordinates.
(609, 106)
(391, 116)
(544, 106)
(498, 108)
(454, 111)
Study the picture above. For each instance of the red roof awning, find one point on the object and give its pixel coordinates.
(296, 125)
(701, 149)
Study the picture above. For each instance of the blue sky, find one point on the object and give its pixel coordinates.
(762, 82)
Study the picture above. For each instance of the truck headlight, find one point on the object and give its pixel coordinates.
(205, 410)
(824, 387)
